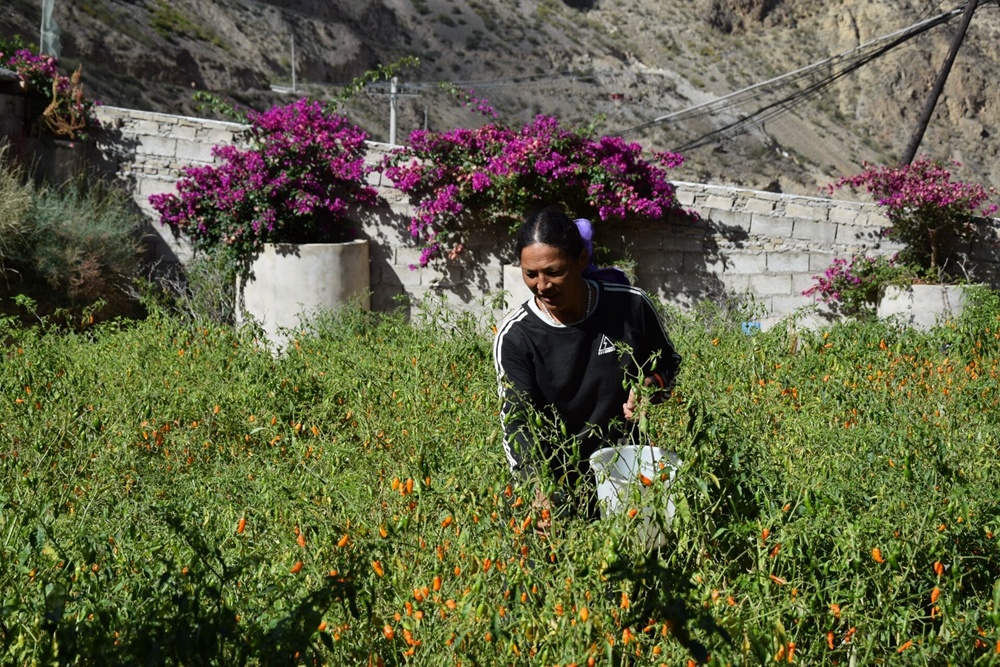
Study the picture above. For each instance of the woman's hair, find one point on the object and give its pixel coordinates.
(552, 227)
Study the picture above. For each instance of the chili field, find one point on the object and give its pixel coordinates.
(171, 493)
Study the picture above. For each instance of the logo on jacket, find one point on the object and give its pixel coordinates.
(606, 346)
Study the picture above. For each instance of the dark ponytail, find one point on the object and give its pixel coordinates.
(552, 227)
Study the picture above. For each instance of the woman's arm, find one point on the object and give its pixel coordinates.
(515, 386)
(661, 368)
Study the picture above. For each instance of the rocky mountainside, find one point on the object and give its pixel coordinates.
(619, 65)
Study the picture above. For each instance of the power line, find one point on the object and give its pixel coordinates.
(847, 61)
(504, 82)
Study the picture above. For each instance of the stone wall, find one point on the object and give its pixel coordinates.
(747, 243)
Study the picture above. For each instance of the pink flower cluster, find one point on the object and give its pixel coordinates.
(853, 286)
(469, 100)
(294, 183)
(40, 74)
(37, 71)
(496, 172)
(923, 204)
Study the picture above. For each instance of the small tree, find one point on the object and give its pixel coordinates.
(925, 207)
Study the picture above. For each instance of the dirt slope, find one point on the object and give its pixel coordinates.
(616, 63)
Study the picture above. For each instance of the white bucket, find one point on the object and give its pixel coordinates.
(617, 470)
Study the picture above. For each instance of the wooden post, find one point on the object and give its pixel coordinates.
(925, 116)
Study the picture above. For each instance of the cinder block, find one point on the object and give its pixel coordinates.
(407, 255)
(441, 275)
(732, 219)
(842, 214)
(737, 263)
(802, 281)
(661, 261)
(770, 226)
(735, 283)
(491, 275)
(758, 205)
(877, 219)
(767, 284)
(805, 212)
(685, 243)
(193, 151)
(787, 262)
(159, 146)
(691, 283)
(186, 130)
(685, 197)
(785, 306)
(718, 203)
(820, 262)
(813, 230)
(217, 136)
(144, 127)
(153, 186)
(406, 276)
(701, 262)
(857, 234)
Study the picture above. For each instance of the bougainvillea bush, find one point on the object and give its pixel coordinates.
(854, 286)
(925, 207)
(496, 173)
(294, 179)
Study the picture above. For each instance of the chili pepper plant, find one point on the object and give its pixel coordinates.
(172, 493)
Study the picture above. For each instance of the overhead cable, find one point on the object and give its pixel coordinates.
(839, 65)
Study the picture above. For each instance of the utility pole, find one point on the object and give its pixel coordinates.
(925, 116)
(393, 95)
(48, 34)
(293, 62)
(392, 110)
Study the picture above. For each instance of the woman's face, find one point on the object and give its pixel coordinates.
(554, 277)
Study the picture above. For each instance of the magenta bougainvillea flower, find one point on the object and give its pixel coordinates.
(925, 207)
(293, 179)
(497, 173)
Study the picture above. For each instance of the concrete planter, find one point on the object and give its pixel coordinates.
(922, 306)
(294, 281)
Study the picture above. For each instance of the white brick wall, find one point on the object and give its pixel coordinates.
(766, 244)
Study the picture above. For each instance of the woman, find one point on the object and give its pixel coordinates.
(569, 353)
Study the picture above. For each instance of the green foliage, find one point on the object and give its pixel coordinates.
(15, 203)
(173, 494)
(170, 22)
(203, 289)
(84, 240)
(216, 105)
(379, 73)
(79, 242)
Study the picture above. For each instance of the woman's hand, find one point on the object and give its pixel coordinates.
(632, 408)
(629, 406)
